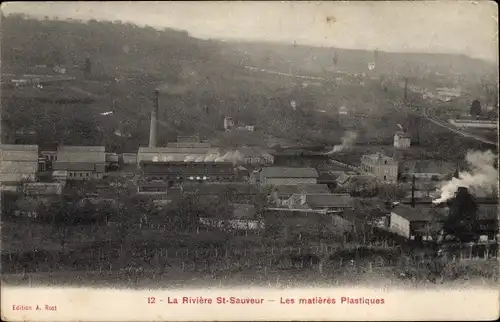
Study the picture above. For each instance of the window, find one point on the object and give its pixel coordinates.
(385, 162)
(80, 174)
(385, 177)
(87, 174)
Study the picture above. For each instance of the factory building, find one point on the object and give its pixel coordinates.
(381, 166)
(255, 156)
(79, 163)
(402, 140)
(288, 176)
(189, 142)
(178, 172)
(176, 154)
(18, 163)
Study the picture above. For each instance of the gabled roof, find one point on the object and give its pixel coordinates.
(283, 172)
(313, 188)
(329, 200)
(80, 148)
(178, 150)
(286, 190)
(18, 147)
(411, 214)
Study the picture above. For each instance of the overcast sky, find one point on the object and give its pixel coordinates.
(468, 27)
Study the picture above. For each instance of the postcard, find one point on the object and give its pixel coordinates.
(236, 161)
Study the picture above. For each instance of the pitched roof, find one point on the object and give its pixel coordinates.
(286, 189)
(178, 150)
(429, 166)
(329, 200)
(18, 147)
(216, 188)
(283, 172)
(411, 214)
(313, 188)
(80, 148)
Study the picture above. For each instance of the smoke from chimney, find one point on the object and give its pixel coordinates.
(482, 177)
(154, 120)
(231, 156)
(347, 140)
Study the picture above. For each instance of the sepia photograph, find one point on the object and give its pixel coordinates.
(279, 160)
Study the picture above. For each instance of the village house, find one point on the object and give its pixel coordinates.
(402, 140)
(381, 166)
(288, 176)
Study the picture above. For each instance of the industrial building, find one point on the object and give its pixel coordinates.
(148, 154)
(381, 166)
(189, 142)
(79, 163)
(18, 163)
(176, 172)
(287, 176)
(255, 156)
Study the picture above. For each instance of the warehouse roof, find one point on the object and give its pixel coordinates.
(18, 147)
(313, 188)
(411, 214)
(283, 172)
(286, 189)
(80, 148)
(340, 200)
(429, 166)
(178, 150)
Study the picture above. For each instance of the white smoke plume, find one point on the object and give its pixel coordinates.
(199, 159)
(347, 140)
(189, 158)
(231, 156)
(481, 178)
(211, 157)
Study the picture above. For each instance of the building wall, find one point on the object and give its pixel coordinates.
(401, 142)
(387, 173)
(83, 175)
(288, 181)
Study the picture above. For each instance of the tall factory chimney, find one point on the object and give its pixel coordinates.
(154, 120)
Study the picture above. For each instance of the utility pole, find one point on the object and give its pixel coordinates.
(406, 91)
(413, 191)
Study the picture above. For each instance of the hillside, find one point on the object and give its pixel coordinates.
(316, 60)
(129, 62)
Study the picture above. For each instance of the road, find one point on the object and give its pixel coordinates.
(464, 134)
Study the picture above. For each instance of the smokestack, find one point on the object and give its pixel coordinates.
(154, 120)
